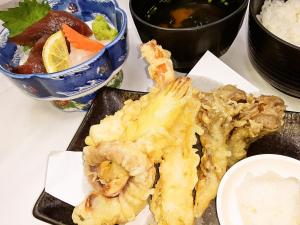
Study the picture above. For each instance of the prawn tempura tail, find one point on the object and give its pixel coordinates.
(160, 65)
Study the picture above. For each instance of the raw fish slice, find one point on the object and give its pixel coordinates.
(34, 63)
(50, 24)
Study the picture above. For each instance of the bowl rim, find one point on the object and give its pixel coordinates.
(68, 72)
(251, 13)
(240, 8)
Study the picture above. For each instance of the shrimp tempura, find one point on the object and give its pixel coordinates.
(172, 201)
(121, 153)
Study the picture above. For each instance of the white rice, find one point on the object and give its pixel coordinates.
(282, 19)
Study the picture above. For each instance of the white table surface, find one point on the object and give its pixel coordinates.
(31, 129)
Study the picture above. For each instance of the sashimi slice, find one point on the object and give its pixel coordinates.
(34, 63)
(50, 24)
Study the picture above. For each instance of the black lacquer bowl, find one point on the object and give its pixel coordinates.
(108, 101)
(187, 45)
(275, 59)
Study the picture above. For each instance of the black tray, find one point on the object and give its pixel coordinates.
(108, 101)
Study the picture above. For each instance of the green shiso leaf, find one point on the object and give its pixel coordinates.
(16, 20)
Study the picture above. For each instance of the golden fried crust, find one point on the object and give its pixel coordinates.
(172, 201)
(231, 120)
(130, 199)
(160, 64)
(121, 152)
(160, 128)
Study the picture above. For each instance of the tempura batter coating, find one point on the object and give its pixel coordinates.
(121, 145)
(99, 209)
(173, 201)
(148, 119)
(160, 128)
(231, 120)
(160, 64)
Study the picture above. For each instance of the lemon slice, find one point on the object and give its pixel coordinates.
(55, 53)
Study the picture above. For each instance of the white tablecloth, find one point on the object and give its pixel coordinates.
(31, 129)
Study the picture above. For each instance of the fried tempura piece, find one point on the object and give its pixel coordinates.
(231, 120)
(265, 116)
(160, 65)
(173, 201)
(113, 158)
(140, 174)
(150, 117)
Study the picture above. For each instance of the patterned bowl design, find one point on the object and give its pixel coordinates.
(78, 83)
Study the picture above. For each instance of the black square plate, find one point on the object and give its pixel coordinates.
(54, 211)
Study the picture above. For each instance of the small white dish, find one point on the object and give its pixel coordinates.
(227, 202)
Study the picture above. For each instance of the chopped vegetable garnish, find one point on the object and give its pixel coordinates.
(80, 41)
(102, 30)
(16, 20)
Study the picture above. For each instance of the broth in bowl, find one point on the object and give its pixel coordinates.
(188, 13)
(188, 28)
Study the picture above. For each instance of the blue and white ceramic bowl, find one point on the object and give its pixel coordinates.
(76, 85)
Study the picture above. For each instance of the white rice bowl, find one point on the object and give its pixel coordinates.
(282, 19)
